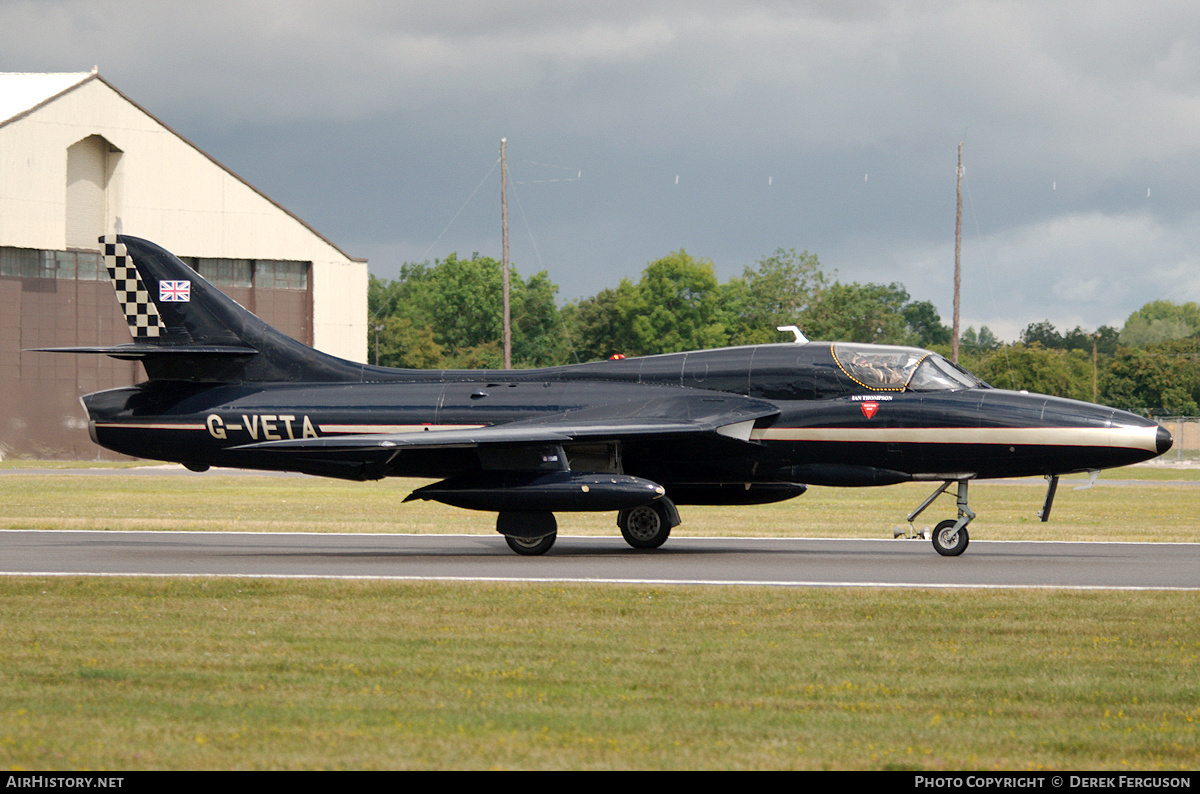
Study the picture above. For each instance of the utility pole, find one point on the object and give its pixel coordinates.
(957, 261)
(504, 222)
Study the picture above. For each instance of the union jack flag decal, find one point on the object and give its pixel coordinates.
(175, 291)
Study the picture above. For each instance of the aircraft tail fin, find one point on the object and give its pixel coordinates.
(184, 328)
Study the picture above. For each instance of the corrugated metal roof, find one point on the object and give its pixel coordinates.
(21, 92)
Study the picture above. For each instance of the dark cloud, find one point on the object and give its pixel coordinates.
(728, 130)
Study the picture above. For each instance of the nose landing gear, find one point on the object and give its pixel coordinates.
(950, 537)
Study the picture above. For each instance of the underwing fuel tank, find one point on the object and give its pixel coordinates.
(559, 491)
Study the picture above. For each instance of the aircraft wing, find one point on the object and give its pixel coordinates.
(676, 416)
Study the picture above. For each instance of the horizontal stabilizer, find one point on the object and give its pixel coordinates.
(133, 352)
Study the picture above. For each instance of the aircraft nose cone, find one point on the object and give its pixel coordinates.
(1163, 440)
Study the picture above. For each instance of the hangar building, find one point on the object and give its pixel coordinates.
(79, 159)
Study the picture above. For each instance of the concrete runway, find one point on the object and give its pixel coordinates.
(683, 560)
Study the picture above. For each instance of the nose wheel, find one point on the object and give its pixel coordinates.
(948, 541)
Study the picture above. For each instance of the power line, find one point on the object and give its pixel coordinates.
(460, 209)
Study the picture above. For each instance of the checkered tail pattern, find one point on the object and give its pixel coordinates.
(140, 311)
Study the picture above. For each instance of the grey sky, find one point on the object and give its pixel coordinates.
(727, 129)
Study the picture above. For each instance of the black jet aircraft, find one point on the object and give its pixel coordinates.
(639, 436)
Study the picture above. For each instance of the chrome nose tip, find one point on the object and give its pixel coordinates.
(1163, 440)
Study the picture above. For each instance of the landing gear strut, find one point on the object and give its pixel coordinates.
(950, 536)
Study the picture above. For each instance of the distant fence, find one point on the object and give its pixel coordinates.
(1186, 431)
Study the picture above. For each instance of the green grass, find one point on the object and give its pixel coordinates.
(1153, 510)
(236, 674)
(181, 673)
(26, 463)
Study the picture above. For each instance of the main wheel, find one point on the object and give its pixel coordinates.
(645, 527)
(530, 547)
(942, 539)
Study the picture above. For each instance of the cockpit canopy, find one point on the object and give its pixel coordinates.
(895, 369)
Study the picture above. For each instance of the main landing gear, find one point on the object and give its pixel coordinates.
(528, 532)
(647, 526)
(950, 537)
(530, 547)
(533, 532)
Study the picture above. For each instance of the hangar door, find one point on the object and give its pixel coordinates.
(90, 165)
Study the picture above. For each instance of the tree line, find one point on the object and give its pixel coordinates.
(447, 315)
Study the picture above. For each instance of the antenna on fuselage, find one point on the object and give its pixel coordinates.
(800, 338)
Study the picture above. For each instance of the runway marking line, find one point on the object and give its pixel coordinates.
(592, 580)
